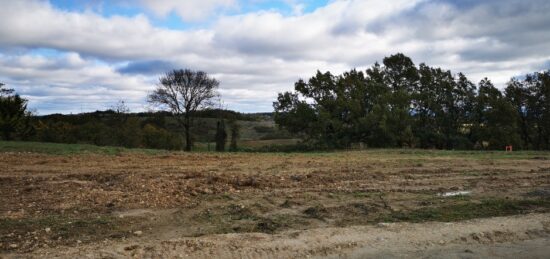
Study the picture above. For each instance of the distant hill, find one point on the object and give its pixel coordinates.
(154, 129)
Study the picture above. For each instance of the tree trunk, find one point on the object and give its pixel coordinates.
(188, 143)
(187, 127)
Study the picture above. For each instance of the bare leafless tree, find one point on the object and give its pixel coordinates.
(120, 107)
(4, 91)
(183, 92)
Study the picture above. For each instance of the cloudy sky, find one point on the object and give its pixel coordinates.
(71, 56)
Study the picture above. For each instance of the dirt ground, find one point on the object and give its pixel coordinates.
(389, 203)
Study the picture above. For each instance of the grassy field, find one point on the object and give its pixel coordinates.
(69, 149)
(56, 195)
(250, 145)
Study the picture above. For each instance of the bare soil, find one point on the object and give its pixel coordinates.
(349, 204)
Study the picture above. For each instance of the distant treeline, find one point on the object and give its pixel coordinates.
(207, 113)
(399, 104)
(118, 127)
(108, 128)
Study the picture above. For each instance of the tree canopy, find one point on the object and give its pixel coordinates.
(183, 92)
(399, 104)
(14, 117)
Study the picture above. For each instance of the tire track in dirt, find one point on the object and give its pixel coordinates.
(395, 240)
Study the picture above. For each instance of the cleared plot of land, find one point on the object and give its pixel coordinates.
(139, 202)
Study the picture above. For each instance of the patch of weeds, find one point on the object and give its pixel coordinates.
(247, 182)
(472, 173)
(240, 219)
(224, 219)
(260, 207)
(218, 197)
(206, 215)
(354, 214)
(417, 165)
(226, 196)
(70, 149)
(539, 193)
(310, 196)
(271, 224)
(317, 212)
(359, 194)
(85, 226)
(289, 204)
(239, 212)
(279, 222)
(363, 208)
(465, 211)
(267, 226)
(460, 197)
(365, 194)
(297, 178)
(56, 230)
(286, 204)
(232, 212)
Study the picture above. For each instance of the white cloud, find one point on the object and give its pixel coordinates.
(188, 10)
(69, 83)
(31, 24)
(257, 54)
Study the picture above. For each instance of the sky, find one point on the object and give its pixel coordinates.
(70, 56)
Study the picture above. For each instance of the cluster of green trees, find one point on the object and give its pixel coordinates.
(109, 128)
(398, 104)
(14, 118)
(158, 130)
